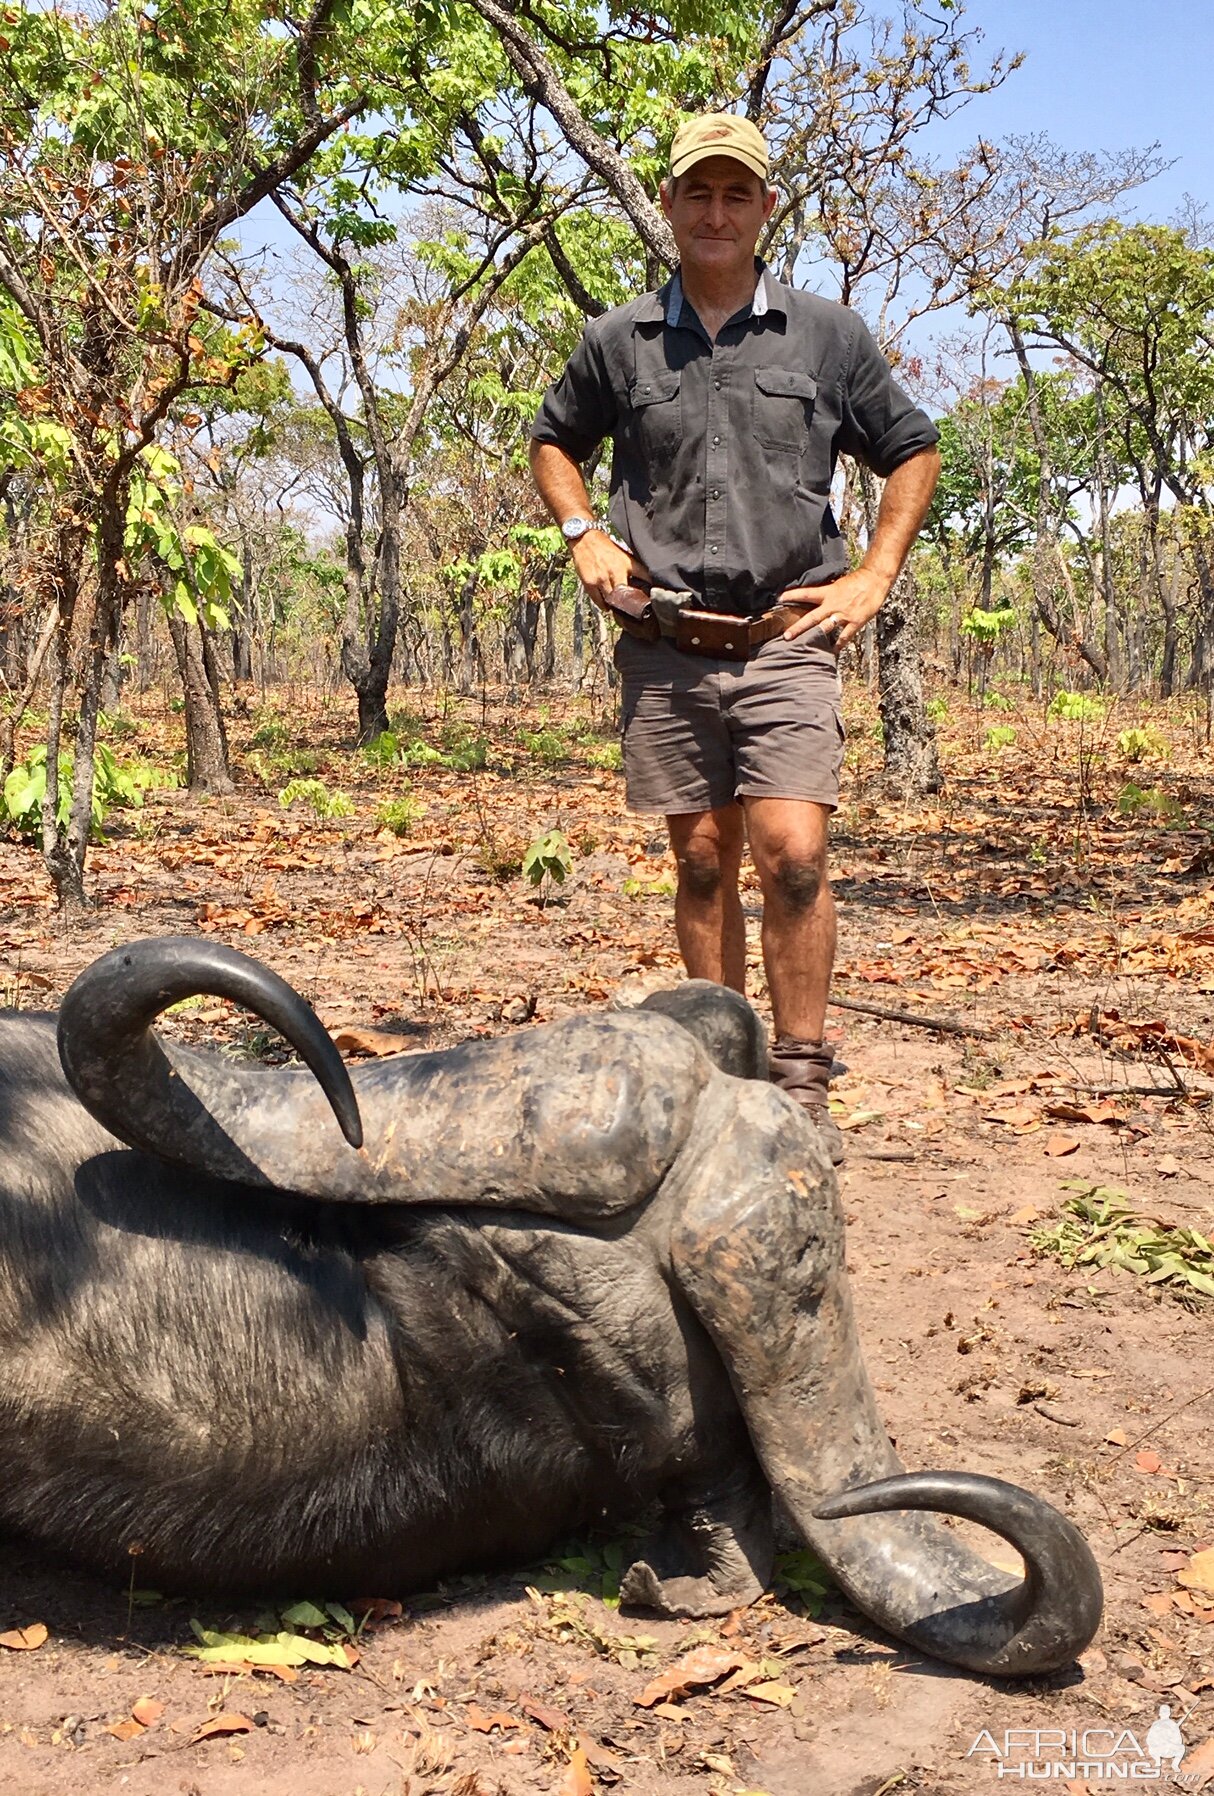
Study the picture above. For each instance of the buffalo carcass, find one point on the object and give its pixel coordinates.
(513, 1287)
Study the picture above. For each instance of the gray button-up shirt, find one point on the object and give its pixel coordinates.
(724, 452)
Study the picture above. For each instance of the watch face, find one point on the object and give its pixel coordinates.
(573, 528)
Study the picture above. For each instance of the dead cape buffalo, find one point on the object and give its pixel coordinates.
(580, 1271)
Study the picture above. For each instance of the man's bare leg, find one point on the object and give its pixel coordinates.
(788, 844)
(708, 917)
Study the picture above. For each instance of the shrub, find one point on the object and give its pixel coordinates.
(1077, 707)
(607, 756)
(1000, 735)
(270, 731)
(548, 857)
(1148, 801)
(113, 785)
(1142, 745)
(326, 804)
(398, 814)
(547, 746)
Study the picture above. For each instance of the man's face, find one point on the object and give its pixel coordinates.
(716, 212)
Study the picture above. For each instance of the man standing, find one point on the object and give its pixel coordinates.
(729, 397)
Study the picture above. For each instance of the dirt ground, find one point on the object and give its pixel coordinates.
(1024, 906)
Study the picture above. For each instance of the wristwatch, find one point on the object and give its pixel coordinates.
(574, 529)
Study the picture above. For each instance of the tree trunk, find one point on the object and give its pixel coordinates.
(912, 762)
(206, 744)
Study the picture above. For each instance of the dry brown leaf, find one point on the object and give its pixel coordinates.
(703, 1665)
(781, 1695)
(484, 1724)
(1028, 1214)
(1148, 1461)
(1117, 1437)
(577, 1780)
(1200, 1573)
(147, 1711)
(232, 1667)
(375, 1608)
(1057, 1145)
(375, 1042)
(1159, 1602)
(1198, 1767)
(24, 1640)
(227, 1723)
(1167, 1166)
(554, 1720)
(129, 1729)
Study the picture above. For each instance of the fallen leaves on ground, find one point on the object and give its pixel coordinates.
(227, 1723)
(24, 1640)
(702, 1666)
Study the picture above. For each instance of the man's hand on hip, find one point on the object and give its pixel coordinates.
(602, 565)
(842, 608)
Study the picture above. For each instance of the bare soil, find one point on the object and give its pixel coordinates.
(1023, 904)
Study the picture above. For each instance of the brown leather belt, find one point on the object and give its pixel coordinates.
(713, 633)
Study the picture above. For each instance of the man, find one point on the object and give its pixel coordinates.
(729, 397)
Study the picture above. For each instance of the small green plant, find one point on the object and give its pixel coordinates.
(1142, 745)
(113, 784)
(1077, 707)
(994, 700)
(116, 723)
(649, 888)
(1099, 1227)
(804, 1574)
(463, 750)
(289, 763)
(312, 792)
(270, 731)
(1148, 801)
(608, 757)
(399, 814)
(303, 1634)
(548, 857)
(383, 750)
(936, 709)
(1000, 735)
(548, 746)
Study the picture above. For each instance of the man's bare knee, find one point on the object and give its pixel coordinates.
(701, 875)
(797, 881)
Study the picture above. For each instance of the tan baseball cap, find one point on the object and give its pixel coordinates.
(718, 134)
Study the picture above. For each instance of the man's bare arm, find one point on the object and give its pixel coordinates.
(857, 597)
(601, 565)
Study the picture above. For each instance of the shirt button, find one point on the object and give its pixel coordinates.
(716, 492)
(712, 549)
(716, 442)
(717, 385)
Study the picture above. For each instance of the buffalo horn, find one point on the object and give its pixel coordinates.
(1036, 1624)
(167, 1100)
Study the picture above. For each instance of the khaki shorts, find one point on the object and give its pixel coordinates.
(700, 732)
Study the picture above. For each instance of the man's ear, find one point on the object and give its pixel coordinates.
(769, 203)
(666, 196)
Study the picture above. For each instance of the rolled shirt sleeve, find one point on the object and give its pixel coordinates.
(879, 424)
(579, 409)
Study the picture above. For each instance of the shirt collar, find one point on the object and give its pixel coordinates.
(766, 298)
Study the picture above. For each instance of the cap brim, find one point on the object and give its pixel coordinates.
(703, 152)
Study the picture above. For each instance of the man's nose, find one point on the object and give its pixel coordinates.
(716, 214)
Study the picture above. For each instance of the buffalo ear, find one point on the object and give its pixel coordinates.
(728, 1029)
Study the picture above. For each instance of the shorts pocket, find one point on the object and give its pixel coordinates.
(783, 407)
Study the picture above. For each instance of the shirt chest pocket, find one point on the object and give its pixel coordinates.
(657, 414)
(783, 408)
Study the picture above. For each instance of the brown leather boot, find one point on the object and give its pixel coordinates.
(802, 1069)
